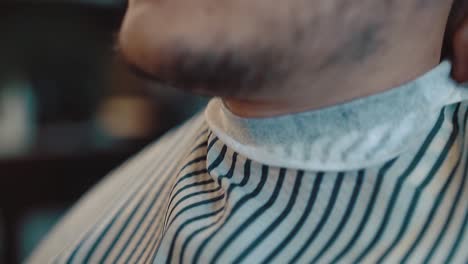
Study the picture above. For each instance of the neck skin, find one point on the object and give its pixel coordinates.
(409, 49)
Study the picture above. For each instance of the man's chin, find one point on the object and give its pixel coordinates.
(191, 85)
(188, 62)
(225, 74)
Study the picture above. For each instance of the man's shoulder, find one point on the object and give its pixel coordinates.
(109, 194)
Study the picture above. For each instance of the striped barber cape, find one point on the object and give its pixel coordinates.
(381, 179)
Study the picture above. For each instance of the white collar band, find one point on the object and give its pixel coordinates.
(361, 133)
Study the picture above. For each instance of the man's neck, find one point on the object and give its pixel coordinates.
(370, 81)
(407, 53)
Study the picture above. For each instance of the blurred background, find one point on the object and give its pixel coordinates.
(70, 111)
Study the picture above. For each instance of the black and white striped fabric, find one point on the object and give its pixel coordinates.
(190, 198)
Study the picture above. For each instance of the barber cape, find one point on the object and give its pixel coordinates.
(381, 179)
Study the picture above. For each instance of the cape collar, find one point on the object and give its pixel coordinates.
(357, 134)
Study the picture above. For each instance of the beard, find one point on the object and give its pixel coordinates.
(228, 73)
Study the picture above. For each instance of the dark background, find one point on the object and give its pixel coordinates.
(70, 111)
